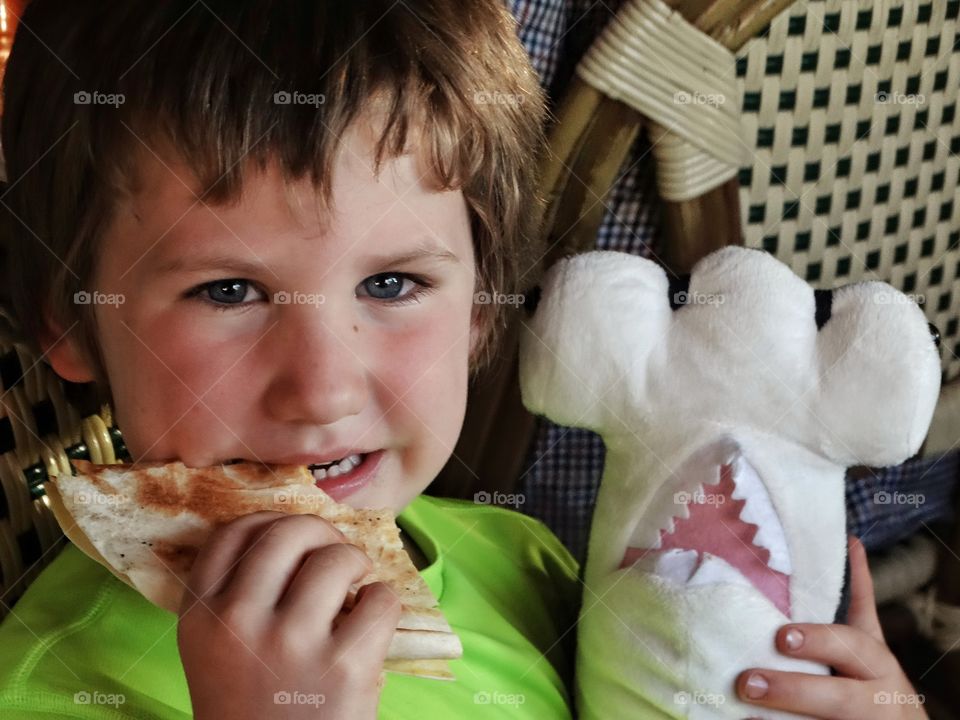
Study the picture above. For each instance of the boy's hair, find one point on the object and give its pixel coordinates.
(203, 78)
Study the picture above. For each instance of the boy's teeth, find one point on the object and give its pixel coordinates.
(337, 469)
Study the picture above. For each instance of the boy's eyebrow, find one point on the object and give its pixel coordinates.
(209, 262)
(424, 251)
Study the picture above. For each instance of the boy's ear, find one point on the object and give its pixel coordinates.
(62, 351)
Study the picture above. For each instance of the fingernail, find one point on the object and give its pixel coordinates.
(757, 686)
(793, 639)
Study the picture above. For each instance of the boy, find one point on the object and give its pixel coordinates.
(291, 206)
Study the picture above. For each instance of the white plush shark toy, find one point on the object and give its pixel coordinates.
(730, 408)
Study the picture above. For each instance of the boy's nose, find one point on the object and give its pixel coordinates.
(318, 377)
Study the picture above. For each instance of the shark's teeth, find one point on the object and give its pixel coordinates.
(671, 501)
(667, 505)
(645, 535)
(758, 510)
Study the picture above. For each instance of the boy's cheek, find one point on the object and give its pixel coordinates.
(165, 386)
(179, 346)
(428, 358)
(172, 369)
(161, 419)
(426, 366)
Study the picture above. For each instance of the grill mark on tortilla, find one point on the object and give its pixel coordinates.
(102, 486)
(209, 493)
(204, 494)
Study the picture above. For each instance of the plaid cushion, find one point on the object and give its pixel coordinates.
(564, 466)
(886, 506)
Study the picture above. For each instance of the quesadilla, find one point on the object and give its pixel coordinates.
(146, 523)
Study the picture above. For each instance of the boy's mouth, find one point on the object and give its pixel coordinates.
(330, 468)
(340, 484)
(339, 477)
(336, 468)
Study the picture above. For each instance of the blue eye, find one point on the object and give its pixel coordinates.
(229, 292)
(388, 286)
(225, 294)
(385, 286)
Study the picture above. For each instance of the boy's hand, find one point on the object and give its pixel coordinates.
(263, 639)
(871, 683)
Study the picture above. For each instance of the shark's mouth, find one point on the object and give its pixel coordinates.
(712, 522)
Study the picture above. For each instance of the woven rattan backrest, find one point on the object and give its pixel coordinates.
(849, 114)
(40, 430)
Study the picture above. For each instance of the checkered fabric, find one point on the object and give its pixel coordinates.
(849, 114)
(564, 466)
(886, 506)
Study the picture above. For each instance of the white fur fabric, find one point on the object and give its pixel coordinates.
(740, 373)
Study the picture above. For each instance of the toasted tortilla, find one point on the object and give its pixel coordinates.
(146, 523)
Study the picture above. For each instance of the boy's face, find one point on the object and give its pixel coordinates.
(207, 362)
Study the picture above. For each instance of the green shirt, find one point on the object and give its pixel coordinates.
(82, 644)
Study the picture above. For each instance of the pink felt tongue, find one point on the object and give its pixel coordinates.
(714, 526)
